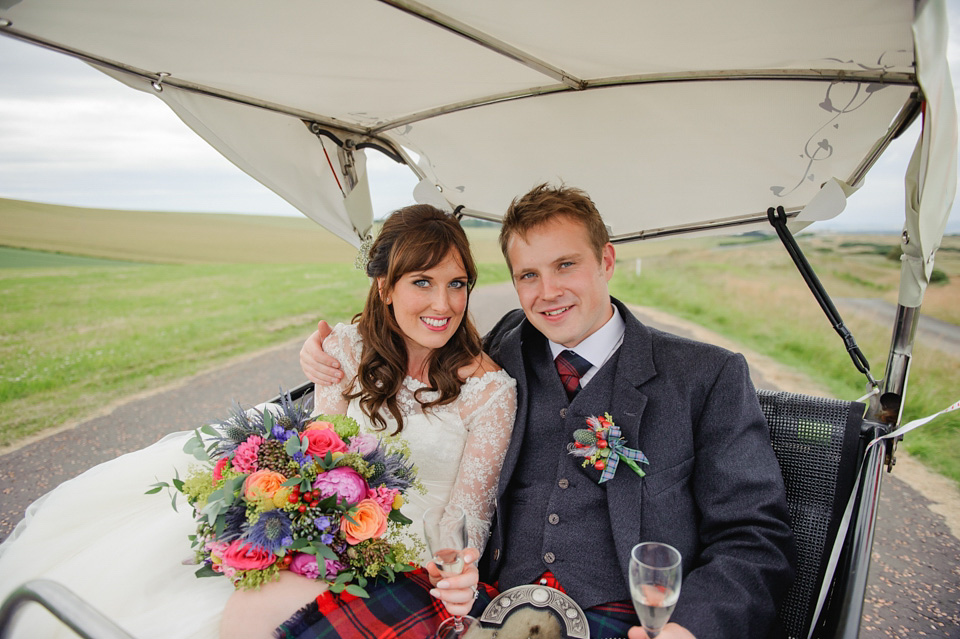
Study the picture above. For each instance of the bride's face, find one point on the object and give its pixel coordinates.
(429, 305)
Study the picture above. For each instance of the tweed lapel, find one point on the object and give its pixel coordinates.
(634, 367)
(511, 359)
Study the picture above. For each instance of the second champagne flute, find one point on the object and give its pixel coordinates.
(655, 577)
(445, 530)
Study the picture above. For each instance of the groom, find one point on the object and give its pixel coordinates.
(712, 487)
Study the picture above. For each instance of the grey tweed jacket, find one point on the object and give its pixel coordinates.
(713, 488)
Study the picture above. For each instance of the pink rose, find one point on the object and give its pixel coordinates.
(218, 469)
(306, 565)
(320, 442)
(383, 496)
(344, 482)
(243, 555)
(364, 443)
(245, 457)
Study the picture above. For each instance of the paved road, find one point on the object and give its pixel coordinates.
(930, 331)
(914, 585)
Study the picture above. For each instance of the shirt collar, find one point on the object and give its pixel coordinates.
(598, 347)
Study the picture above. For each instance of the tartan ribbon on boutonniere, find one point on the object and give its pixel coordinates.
(601, 445)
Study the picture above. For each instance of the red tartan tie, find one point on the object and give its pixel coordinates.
(571, 368)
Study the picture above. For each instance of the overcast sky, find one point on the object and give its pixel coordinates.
(71, 135)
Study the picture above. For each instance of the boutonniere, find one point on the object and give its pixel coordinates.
(601, 446)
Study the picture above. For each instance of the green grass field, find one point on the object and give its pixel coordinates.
(79, 332)
(752, 293)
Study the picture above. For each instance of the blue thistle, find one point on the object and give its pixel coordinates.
(271, 531)
(235, 519)
(236, 429)
(392, 470)
(239, 426)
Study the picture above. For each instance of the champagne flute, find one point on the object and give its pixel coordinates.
(445, 529)
(655, 576)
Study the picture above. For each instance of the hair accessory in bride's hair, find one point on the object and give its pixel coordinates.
(363, 254)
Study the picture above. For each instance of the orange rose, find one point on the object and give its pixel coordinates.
(262, 485)
(371, 522)
(318, 426)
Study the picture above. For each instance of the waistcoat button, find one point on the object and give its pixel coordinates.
(549, 558)
(496, 554)
(563, 413)
(553, 518)
(564, 483)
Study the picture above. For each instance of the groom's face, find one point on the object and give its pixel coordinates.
(561, 284)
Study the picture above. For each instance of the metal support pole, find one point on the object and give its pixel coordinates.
(860, 540)
(81, 617)
(889, 409)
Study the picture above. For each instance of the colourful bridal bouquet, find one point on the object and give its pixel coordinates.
(279, 490)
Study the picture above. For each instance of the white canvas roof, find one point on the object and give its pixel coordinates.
(674, 116)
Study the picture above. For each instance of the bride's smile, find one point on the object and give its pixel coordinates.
(429, 305)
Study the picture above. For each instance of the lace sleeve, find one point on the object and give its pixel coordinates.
(344, 344)
(488, 407)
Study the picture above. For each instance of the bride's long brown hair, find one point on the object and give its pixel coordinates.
(414, 238)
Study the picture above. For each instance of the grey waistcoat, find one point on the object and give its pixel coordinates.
(555, 510)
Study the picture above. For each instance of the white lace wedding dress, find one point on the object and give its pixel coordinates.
(121, 550)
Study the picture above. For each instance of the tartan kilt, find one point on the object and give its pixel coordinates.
(402, 608)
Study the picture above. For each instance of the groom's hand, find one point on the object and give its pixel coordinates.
(670, 631)
(319, 367)
(460, 591)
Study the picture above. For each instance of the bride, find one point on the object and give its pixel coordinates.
(414, 369)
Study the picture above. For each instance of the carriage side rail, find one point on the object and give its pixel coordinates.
(60, 601)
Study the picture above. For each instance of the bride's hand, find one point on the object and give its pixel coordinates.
(319, 367)
(460, 591)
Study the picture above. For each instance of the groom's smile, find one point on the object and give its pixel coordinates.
(561, 284)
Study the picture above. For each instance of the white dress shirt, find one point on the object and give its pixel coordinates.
(598, 347)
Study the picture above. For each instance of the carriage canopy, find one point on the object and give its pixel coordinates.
(676, 117)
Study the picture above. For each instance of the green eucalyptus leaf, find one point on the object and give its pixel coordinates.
(357, 591)
(399, 517)
(207, 571)
(299, 544)
(323, 550)
(292, 445)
